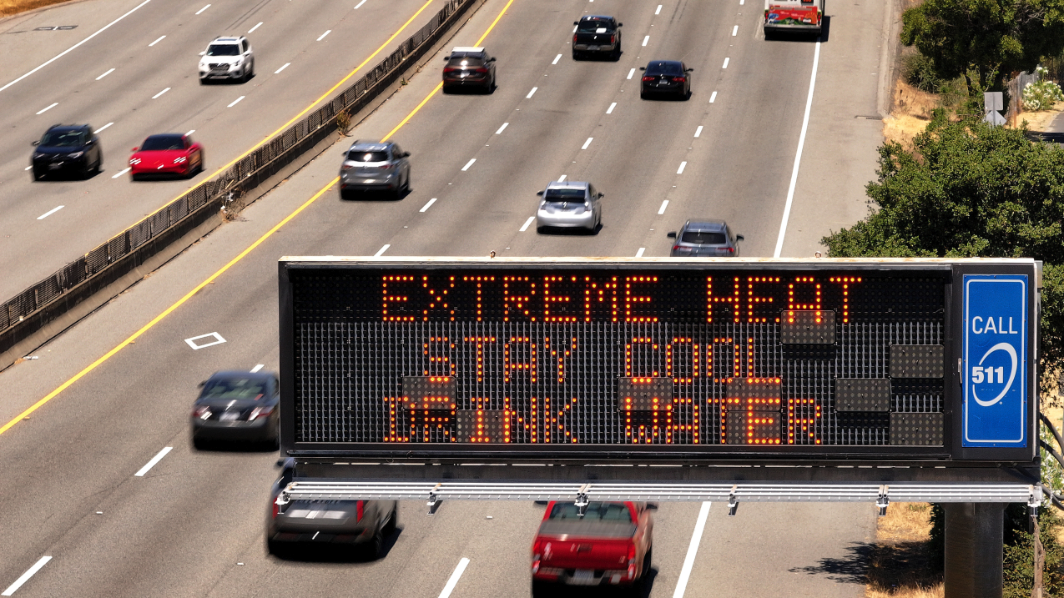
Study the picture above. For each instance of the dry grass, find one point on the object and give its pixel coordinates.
(899, 565)
(12, 7)
(911, 113)
(1040, 121)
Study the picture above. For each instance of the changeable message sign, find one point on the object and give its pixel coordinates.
(657, 360)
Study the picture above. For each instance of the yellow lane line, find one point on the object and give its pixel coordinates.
(221, 270)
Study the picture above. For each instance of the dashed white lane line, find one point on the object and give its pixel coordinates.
(381, 251)
(105, 74)
(282, 68)
(156, 96)
(428, 205)
(468, 164)
(587, 143)
(574, 28)
(641, 249)
(11, 589)
(645, 40)
(692, 550)
(257, 368)
(531, 93)
(734, 30)
(610, 109)
(698, 131)
(556, 59)
(77, 45)
(682, 166)
(359, 5)
(658, 11)
(725, 63)
(664, 205)
(453, 581)
(161, 38)
(203, 9)
(712, 97)
(190, 132)
(235, 102)
(502, 128)
(54, 104)
(49, 213)
(252, 30)
(121, 173)
(798, 154)
(528, 223)
(324, 34)
(741, 2)
(154, 460)
(28, 168)
(561, 179)
(630, 73)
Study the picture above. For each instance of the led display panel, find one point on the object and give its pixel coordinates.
(621, 357)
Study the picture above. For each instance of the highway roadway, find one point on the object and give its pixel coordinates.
(114, 391)
(129, 69)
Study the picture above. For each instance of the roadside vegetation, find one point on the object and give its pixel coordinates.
(13, 7)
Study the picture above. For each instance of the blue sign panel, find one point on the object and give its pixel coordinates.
(995, 361)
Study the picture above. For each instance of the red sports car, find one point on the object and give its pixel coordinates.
(167, 154)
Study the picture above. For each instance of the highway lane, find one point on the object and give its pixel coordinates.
(139, 77)
(77, 455)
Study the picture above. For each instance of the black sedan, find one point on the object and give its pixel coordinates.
(67, 150)
(237, 406)
(666, 77)
(469, 68)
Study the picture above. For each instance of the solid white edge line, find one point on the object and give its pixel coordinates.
(531, 92)
(235, 102)
(161, 38)
(156, 96)
(692, 550)
(381, 251)
(798, 154)
(645, 40)
(154, 460)
(252, 30)
(587, 143)
(102, 128)
(682, 166)
(698, 131)
(11, 589)
(734, 31)
(726, 60)
(557, 58)
(258, 367)
(664, 204)
(453, 581)
(282, 68)
(203, 9)
(121, 173)
(528, 223)
(54, 104)
(658, 11)
(76, 46)
(640, 252)
(105, 74)
(712, 97)
(428, 205)
(359, 5)
(502, 128)
(610, 109)
(630, 73)
(49, 213)
(324, 34)
(468, 164)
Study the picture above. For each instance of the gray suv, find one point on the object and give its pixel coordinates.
(370, 166)
(705, 238)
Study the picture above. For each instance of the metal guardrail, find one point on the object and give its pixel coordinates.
(245, 174)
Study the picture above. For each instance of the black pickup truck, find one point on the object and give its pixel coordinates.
(596, 34)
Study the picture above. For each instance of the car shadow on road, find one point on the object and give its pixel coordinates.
(825, 34)
(606, 591)
(337, 553)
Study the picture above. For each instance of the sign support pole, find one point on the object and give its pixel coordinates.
(974, 550)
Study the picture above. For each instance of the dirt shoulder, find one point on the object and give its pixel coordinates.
(13, 7)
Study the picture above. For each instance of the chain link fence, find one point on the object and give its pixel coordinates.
(246, 174)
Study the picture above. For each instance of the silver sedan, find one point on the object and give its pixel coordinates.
(569, 204)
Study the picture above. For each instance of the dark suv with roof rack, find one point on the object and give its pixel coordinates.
(67, 150)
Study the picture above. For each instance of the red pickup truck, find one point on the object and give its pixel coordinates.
(610, 544)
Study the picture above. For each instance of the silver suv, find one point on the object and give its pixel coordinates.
(370, 166)
(227, 58)
(705, 238)
(569, 204)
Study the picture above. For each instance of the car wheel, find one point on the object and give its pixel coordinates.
(99, 164)
(576, 55)
(199, 444)
(37, 175)
(393, 522)
(406, 184)
(642, 95)
(277, 549)
(617, 53)
(542, 589)
(375, 546)
(540, 229)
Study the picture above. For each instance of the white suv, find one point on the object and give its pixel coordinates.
(227, 58)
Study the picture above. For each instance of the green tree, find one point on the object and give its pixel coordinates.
(970, 190)
(982, 39)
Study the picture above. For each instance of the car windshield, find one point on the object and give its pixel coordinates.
(564, 195)
(63, 139)
(703, 238)
(664, 68)
(596, 511)
(593, 25)
(223, 50)
(363, 156)
(234, 388)
(163, 142)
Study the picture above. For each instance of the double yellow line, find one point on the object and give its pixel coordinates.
(261, 239)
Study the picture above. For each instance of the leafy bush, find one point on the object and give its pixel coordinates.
(1042, 94)
(1019, 557)
(919, 71)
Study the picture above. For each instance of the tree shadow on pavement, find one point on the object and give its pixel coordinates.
(852, 568)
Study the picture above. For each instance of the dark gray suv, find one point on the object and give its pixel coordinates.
(705, 238)
(371, 166)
